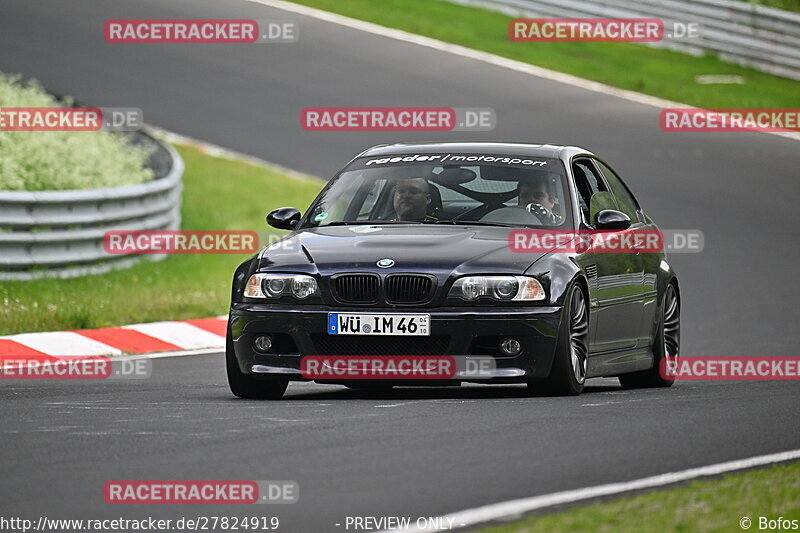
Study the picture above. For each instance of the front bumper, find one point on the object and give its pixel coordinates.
(455, 331)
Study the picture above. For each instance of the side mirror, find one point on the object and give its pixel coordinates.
(284, 218)
(612, 219)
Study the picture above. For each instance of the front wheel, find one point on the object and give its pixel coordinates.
(248, 386)
(568, 373)
(666, 348)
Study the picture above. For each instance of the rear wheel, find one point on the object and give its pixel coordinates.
(249, 386)
(666, 348)
(568, 373)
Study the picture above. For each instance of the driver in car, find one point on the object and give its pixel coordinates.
(411, 199)
(537, 197)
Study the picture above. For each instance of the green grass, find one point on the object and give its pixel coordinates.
(708, 506)
(62, 160)
(788, 5)
(219, 194)
(657, 72)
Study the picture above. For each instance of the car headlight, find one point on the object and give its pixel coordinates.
(503, 288)
(299, 286)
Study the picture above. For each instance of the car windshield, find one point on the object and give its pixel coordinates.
(515, 191)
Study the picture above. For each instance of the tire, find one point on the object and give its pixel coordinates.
(568, 374)
(247, 386)
(666, 346)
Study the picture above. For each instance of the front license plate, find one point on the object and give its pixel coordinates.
(367, 324)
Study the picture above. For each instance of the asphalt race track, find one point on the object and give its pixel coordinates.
(412, 452)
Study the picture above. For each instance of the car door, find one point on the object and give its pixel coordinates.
(650, 262)
(615, 279)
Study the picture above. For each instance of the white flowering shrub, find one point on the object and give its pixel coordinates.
(58, 160)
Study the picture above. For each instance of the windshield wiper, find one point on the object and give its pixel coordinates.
(474, 223)
(366, 223)
(386, 222)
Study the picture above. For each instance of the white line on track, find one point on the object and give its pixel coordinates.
(516, 508)
(181, 334)
(485, 57)
(63, 343)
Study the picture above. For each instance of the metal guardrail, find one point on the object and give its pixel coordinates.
(60, 233)
(752, 35)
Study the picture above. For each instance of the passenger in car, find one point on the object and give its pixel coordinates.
(536, 195)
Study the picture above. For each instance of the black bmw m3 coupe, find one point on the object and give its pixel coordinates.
(471, 251)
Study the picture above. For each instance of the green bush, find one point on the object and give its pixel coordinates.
(59, 160)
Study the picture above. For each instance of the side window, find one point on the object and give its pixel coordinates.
(588, 183)
(627, 203)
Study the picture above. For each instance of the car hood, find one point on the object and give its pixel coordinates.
(439, 249)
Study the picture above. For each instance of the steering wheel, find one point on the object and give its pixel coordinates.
(542, 213)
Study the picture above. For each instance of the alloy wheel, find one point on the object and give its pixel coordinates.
(578, 335)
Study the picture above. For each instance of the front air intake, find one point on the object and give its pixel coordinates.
(356, 288)
(409, 288)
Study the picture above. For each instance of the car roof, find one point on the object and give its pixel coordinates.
(497, 148)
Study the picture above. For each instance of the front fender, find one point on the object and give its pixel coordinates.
(240, 277)
(556, 273)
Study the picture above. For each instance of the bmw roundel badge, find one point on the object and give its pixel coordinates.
(386, 263)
